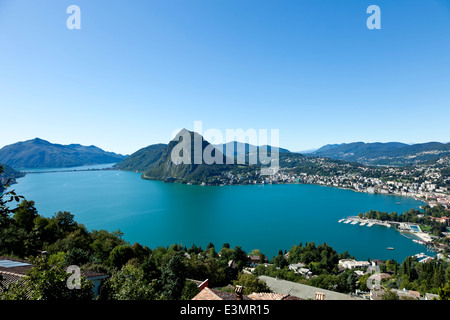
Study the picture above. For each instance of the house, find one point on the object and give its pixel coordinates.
(299, 268)
(13, 270)
(351, 264)
(253, 260)
(214, 294)
(443, 220)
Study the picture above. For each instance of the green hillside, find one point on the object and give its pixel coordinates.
(38, 153)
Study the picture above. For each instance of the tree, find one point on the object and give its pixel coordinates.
(120, 255)
(262, 258)
(390, 295)
(24, 215)
(47, 282)
(444, 292)
(65, 221)
(5, 199)
(239, 257)
(254, 253)
(173, 277)
(280, 261)
(129, 283)
(251, 283)
(190, 290)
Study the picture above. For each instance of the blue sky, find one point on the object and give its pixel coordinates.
(139, 69)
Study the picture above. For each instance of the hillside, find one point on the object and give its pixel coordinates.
(143, 159)
(8, 174)
(164, 168)
(240, 148)
(391, 153)
(38, 153)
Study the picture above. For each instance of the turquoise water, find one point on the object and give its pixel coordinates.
(269, 218)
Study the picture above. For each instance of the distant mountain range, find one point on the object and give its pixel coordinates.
(38, 153)
(153, 162)
(390, 153)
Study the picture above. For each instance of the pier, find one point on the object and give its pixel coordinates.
(403, 227)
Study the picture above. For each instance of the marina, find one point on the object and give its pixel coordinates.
(403, 227)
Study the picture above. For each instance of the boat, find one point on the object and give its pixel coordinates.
(390, 248)
(362, 224)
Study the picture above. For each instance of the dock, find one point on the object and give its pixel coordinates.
(364, 222)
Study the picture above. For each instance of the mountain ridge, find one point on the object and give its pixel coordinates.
(384, 153)
(40, 153)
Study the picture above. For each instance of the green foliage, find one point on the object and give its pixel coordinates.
(173, 277)
(280, 261)
(46, 282)
(390, 295)
(320, 259)
(251, 283)
(444, 292)
(344, 282)
(190, 290)
(239, 256)
(130, 283)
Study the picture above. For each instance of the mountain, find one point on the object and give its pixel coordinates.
(8, 174)
(38, 153)
(143, 159)
(170, 166)
(390, 153)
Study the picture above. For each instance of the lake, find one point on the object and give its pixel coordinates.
(264, 217)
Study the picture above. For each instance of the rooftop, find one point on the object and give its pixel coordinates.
(303, 291)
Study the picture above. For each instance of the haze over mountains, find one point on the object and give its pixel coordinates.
(38, 153)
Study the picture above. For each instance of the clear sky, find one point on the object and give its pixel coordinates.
(139, 69)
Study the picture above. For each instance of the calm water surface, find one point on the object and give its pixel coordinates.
(269, 218)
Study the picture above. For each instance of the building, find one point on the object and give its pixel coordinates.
(443, 220)
(352, 264)
(300, 269)
(304, 292)
(254, 260)
(214, 294)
